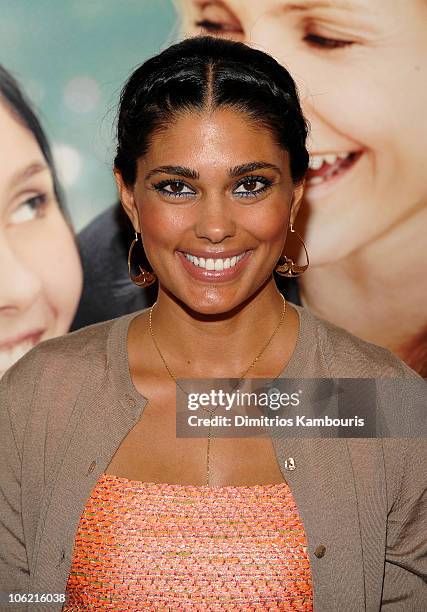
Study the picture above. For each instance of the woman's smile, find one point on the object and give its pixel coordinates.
(12, 349)
(212, 200)
(214, 267)
(326, 169)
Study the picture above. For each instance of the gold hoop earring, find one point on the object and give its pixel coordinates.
(286, 266)
(145, 278)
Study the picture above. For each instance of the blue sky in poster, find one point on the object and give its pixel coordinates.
(72, 58)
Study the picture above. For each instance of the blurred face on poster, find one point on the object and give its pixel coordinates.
(360, 67)
(40, 271)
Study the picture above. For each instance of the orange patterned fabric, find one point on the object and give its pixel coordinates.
(145, 546)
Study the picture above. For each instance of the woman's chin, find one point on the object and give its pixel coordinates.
(207, 303)
(214, 308)
(327, 245)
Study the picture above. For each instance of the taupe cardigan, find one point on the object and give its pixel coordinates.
(66, 406)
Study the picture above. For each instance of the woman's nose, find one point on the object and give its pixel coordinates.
(19, 285)
(215, 220)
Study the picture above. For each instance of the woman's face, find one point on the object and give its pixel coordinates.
(40, 272)
(361, 69)
(213, 196)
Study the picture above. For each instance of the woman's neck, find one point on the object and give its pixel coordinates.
(223, 346)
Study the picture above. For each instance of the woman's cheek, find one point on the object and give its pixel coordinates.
(158, 237)
(57, 262)
(165, 223)
(348, 105)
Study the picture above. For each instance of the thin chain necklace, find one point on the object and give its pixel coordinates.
(245, 373)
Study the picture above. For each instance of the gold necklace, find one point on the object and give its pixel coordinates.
(282, 318)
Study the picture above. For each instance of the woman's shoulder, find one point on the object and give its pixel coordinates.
(68, 358)
(51, 376)
(344, 355)
(373, 382)
(73, 346)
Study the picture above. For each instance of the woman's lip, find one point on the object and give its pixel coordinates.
(319, 185)
(215, 254)
(214, 275)
(33, 336)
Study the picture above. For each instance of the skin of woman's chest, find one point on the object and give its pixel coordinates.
(152, 452)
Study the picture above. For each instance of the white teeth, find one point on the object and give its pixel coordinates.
(317, 161)
(214, 264)
(10, 356)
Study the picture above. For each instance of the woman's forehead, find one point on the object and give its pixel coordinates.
(245, 9)
(222, 133)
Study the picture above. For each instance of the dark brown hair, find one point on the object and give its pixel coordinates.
(207, 72)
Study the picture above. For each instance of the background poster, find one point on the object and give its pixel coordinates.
(71, 59)
(360, 67)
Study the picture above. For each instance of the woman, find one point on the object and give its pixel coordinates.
(40, 270)
(119, 511)
(359, 66)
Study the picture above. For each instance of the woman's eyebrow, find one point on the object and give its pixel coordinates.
(179, 170)
(193, 174)
(250, 167)
(306, 5)
(25, 173)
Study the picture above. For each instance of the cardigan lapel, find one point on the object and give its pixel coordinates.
(94, 432)
(322, 480)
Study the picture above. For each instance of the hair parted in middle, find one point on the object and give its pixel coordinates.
(208, 73)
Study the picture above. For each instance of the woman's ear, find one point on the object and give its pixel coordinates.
(127, 199)
(296, 201)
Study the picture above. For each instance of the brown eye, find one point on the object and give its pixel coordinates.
(250, 185)
(32, 208)
(174, 189)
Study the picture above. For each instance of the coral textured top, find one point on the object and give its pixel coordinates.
(147, 546)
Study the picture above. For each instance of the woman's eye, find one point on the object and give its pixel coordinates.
(214, 27)
(174, 189)
(252, 187)
(326, 43)
(30, 209)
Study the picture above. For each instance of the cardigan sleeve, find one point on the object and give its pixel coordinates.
(405, 583)
(14, 568)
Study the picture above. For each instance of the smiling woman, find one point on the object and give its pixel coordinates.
(360, 66)
(103, 500)
(40, 271)
(214, 219)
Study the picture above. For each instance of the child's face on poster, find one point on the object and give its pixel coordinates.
(360, 66)
(40, 270)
